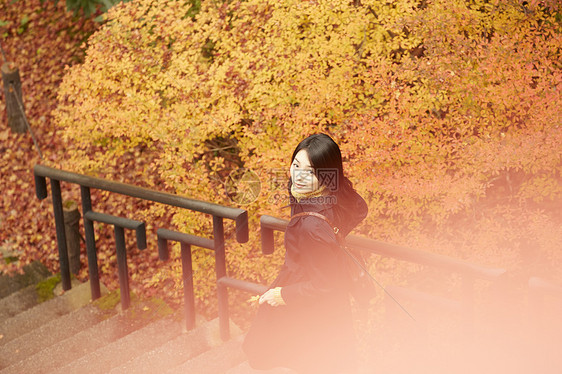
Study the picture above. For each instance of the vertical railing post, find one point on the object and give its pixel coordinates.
(90, 244)
(220, 268)
(122, 266)
(467, 303)
(188, 295)
(61, 235)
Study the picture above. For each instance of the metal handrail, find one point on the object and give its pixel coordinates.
(469, 270)
(223, 282)
(270, 224)
(542, 285)
(186, 241)
(240, 216)
(218, 213)
(119, 226)
(541, 314)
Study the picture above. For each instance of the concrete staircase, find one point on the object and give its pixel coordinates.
(71, 334)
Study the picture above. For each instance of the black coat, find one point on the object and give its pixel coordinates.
(313, 332)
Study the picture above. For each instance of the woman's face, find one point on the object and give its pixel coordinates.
(302, 173)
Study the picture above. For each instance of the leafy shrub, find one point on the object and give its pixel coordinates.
(447, 111)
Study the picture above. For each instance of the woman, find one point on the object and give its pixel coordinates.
(304, 319)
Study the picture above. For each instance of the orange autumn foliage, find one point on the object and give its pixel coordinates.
(448, 114)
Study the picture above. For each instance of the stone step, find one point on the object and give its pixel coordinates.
(32, 274)
(41, 314)
(214, 361)
(245, 368)
(78, 345)
(18, 301)
(129, 347)
(48, 336)
(31, 296)
(176, 352)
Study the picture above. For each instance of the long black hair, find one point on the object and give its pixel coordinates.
(326, 160)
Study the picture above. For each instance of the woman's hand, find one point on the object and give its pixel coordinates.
(272, 297)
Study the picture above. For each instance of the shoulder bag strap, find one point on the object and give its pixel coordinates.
(342, 246)
(322, 217)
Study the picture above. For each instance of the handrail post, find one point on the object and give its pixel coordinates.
(220, 269)
(61, 235)
(90, 244)
(218, 212)
(186, 241)
(539, 319)
(188, 295)
(122, 266)
(267, 239)
(119, 226)
(468, 307)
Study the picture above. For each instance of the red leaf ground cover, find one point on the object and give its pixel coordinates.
(40, 40)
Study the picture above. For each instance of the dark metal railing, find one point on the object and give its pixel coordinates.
(186, 241)
(119, 226)
(223, 281)
(469, 271)
(268, 224)
(218, 212)
(539, 288)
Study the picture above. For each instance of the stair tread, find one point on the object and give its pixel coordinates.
(174, 352)
(32, 274)
(26, 298)
(214, 361)
(48, 335)
(120, 351)
(43, 313)
(245, 368)
(17, 302)
(86, 341)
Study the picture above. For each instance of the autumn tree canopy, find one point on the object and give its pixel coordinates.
(447, 111)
